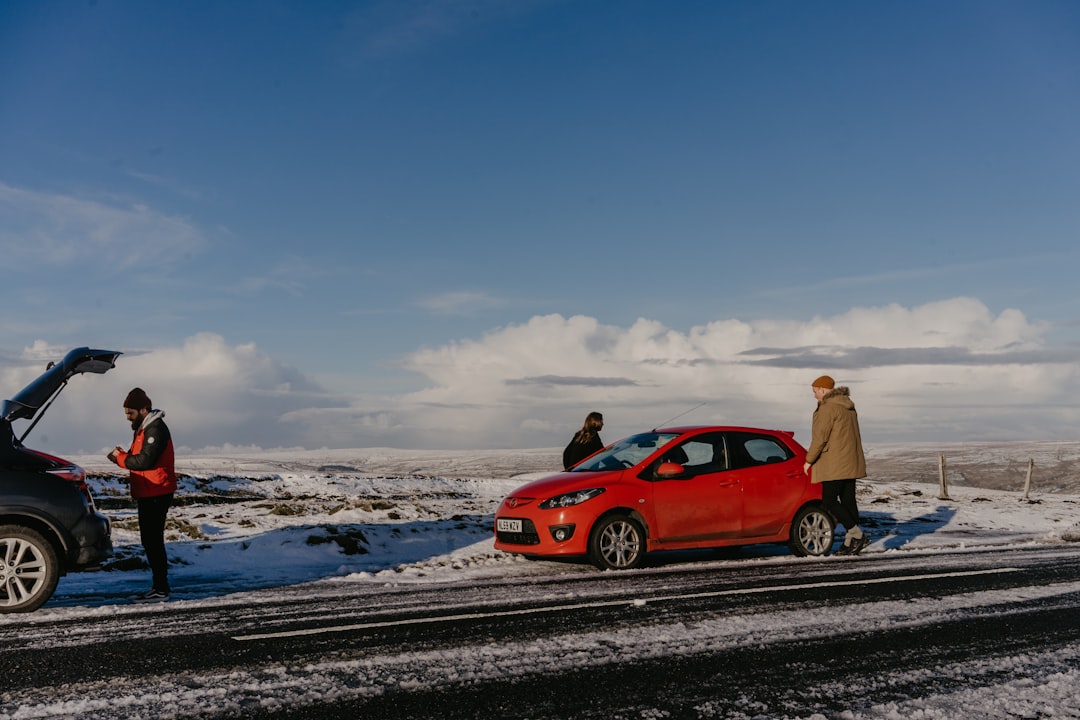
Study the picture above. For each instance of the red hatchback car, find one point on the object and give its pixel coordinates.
(670, 489)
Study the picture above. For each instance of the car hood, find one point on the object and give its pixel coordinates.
(566, 482)
(29, 400)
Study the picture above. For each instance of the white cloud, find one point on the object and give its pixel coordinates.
(945, 371)
(212, 394)
(62, 230)
(950, 367)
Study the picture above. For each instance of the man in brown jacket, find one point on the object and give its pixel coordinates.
(836, 456)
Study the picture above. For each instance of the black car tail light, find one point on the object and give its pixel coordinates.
(68, 471)
(71, 473)
(77, 477)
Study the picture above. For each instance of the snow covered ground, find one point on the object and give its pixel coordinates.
(253, 522)
(260, 520)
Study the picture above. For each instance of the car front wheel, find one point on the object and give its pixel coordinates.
(811, 532)
(617, 543)
(29, 569)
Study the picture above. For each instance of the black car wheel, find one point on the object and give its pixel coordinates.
(617, 543)
(29, 569)
(811, 532)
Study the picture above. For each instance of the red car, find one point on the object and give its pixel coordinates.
(671, 489)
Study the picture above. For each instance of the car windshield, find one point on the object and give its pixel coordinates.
(627, 452)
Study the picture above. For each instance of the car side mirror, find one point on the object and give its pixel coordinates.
(668, 470)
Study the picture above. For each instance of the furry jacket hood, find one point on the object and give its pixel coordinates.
(839, 394)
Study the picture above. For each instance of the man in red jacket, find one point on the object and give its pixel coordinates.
(152, 474)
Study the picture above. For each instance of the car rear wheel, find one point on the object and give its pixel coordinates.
(29, 569)
(617, 543)
(811, 532)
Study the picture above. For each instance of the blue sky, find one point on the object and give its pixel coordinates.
(467, 224)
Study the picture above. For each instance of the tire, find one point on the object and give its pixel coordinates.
(811, 532)
(617, 542)
(29, 569)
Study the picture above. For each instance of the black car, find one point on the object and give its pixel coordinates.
(48, 523)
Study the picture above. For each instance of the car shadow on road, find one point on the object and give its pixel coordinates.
(888, 533)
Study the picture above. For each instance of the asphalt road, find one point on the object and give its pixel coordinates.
(704, 639)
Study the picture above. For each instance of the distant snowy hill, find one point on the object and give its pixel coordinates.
(995, 466)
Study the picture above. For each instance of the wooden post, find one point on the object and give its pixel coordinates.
(944, 495)
(1027, 482)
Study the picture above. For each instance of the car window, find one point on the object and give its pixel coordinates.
(699, 455)
(749, 450)
(627, 452)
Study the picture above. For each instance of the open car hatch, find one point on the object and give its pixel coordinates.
(32, 398)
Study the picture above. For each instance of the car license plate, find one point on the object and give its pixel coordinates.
(508, 525)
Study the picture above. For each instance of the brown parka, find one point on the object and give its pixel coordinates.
(836, 451)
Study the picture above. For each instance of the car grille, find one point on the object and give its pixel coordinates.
(527, 536)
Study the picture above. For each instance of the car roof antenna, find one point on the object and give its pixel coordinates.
(685, 412)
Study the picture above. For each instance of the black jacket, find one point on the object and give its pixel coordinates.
(575, 452)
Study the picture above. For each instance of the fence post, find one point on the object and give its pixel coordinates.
(1027, 482)
(944, 495)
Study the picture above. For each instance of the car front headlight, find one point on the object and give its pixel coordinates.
(573, 498)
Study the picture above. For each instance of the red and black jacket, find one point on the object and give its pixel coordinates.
(151, 460)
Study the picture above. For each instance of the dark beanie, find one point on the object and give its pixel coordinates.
(137, 400)
(824, 382)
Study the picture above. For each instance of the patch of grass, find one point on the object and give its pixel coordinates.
(350, 540)
(373, 505)
(183, 527)
(176, 525)
(287, 510)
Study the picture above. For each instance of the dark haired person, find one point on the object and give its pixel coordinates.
(150, 463)
(836, 456)
(585, 442)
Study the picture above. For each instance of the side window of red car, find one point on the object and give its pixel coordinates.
(700, 455)
(749, 450)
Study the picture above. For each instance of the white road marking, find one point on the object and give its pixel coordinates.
(609, 603)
